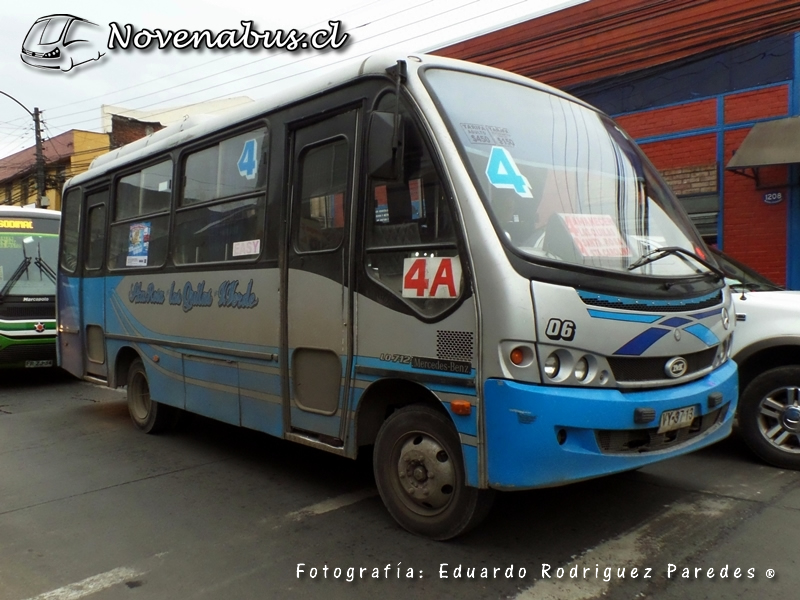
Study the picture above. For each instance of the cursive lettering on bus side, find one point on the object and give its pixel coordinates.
(149, 295)
(196, 297)
(175, 296)
(229, 295)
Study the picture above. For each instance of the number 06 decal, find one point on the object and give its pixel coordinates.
(431, 277)
(560, 330)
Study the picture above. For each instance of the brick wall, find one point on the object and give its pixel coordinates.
(692, 181)
(125, 130)
(754, 232)
(684, 117)
(682, 152)
(758, 104)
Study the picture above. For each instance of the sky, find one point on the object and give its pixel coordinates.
(152, 78)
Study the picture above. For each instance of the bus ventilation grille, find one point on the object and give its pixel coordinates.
(654, 307)
(455, 345)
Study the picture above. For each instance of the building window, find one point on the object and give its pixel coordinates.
(704, 213)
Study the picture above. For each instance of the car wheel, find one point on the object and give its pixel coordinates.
(147, 414)
(769, 416)
(419, 470)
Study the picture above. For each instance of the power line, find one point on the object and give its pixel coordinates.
(327, 65)
(218, 73)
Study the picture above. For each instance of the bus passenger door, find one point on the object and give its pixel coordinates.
(70, 344)
(93, 294)
(318, 295)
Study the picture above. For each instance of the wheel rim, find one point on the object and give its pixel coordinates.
(426, 473)
(140, 397)
(779, 419)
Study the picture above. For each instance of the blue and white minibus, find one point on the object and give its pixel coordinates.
(479, 276)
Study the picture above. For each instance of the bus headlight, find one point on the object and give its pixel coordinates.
(552, 365)
(581, 369)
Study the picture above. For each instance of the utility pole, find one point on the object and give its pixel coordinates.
(39, 158)
(37, 126)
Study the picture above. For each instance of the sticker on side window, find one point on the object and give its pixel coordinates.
(138, 245)
(248, 161)
(432, 277)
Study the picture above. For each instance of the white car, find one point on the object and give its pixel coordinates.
(766, 346)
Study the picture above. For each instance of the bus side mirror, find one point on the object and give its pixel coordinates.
(385, 145)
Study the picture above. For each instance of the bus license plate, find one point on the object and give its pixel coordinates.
(32, 364)
(675, 419)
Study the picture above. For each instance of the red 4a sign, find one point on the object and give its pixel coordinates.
(432, 277)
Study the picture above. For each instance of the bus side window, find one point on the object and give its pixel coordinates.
(322, 192)
(221, 210)
(410, 227)
(140, 227)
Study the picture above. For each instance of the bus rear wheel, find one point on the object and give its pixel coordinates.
(147, 414)
(419, 470)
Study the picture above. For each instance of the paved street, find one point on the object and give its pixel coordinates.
(90, 507)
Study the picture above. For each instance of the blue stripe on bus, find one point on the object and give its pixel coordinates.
(709, 313)
(675, 322)
(614, 316)
(642, 342)
(703, 333)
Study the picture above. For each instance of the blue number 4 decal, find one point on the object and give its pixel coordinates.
(248, 161)
(503, 172)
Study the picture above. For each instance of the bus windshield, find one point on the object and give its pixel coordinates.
(561, 182)
(28, 255)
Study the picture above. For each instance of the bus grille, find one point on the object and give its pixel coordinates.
(34, 311)
(641, 306)
(629, 441)
(20, 352)
(629, 369)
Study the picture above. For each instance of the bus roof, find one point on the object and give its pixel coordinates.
(28, 211)
(197, 126)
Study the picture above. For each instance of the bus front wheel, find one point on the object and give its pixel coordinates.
(147, 414)
(419, 470)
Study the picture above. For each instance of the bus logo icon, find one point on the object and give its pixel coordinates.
(676, 367)
(39, 327)
(62, 42)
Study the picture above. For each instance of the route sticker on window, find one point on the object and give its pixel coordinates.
(415, 191)
(138, 245)
(596, 235)
(381, 204)
(248, 161)
(246, 248)
(432, 277)
(503, 173)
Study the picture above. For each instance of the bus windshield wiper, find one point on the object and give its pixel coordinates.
(44, 267)
(660, 253)
(21, 268)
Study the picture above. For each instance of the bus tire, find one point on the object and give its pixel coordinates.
(769, 416)
(147, 414)
(419, 470)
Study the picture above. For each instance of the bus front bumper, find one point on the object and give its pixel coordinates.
(540, 436)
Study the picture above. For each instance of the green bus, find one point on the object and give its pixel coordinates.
(28, 255)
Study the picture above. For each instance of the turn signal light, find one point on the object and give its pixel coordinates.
(461, 407)
(517, 356)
